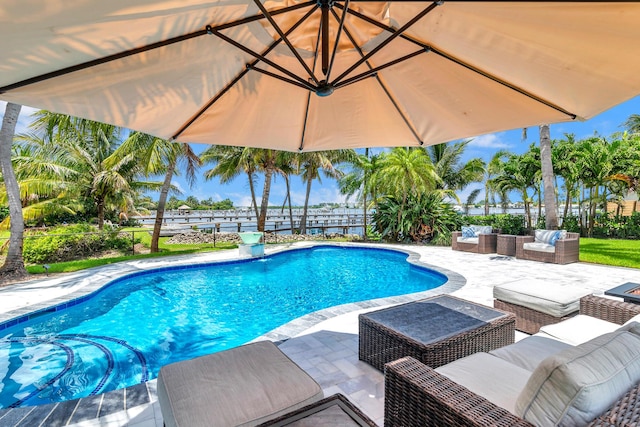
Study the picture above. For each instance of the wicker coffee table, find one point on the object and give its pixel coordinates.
(435, 331)
(506, 245)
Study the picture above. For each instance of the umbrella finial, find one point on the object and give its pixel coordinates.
(324, 89)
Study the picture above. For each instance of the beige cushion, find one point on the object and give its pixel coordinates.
(576, 385)
(244, 386)
(578, 329)
(467, 240)
(528, 353)
(541, 295)
(495, 379)
(539, 247)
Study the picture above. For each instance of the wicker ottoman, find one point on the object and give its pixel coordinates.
(243, 386)
(537, 303)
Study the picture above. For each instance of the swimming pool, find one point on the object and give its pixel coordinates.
(122, 334)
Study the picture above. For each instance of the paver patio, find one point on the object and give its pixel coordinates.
(324, 344)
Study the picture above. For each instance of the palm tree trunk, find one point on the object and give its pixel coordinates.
(253, 193)
(100, 203)
(13, 266)
(303, 220)
(162, 202)
(264, 204)
(286, 179)
(550, 205)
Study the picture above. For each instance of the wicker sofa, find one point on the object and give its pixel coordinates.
(417, 395)
(564, 250)
(480, 239)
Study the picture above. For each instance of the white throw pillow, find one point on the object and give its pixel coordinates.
(575, 386)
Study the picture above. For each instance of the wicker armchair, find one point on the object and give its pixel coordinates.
(417, 395)
(567, 250)
(487, 243)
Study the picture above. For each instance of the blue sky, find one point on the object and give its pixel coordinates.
(483, 146)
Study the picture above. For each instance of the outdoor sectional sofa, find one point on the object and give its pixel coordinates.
(582, 371)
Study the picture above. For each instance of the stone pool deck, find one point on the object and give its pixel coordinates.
(325, 343)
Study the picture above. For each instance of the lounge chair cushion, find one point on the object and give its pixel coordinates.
(543, 296)
(528, 353)
(578, 329)
(243, 386)
(539, 247)
(494, 378)
(468, 240)
(573, 387)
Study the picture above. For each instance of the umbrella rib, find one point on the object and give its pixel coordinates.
(239, 76)
(340, 28)
(384, 87)
(281, 78)
(504, 83)
(260, 57)
(306, 112)
(461, 63)
(375, 70)
(388, 40)
(286, 40)
(142, 49)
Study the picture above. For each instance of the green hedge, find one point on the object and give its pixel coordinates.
(507, 223)
(66, 243)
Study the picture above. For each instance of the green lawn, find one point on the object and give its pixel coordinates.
(621, 253)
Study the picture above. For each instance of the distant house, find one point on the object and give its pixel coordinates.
(184, 210)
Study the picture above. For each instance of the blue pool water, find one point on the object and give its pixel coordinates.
(125, 332)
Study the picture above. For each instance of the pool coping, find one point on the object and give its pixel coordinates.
(289, 330)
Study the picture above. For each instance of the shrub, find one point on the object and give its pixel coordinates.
(506, 223)
(71, 242)
(424, 219)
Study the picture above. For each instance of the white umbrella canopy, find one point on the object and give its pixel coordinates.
(268, 73)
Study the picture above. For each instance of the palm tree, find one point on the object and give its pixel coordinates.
(633, 123)
(407, 171)
(493, 169)
(566, 165)
(13, 266)
(309, 165)
(520, 173)
(229, 162)
(548, 179)
(84, 154)
(157, 155)
(454, 174)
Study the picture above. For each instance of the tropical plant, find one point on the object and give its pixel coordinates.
(156, 156)
(633, 123)
(427, 218)
(493, 169)
(447, 162)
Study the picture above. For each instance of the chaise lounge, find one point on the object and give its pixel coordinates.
(582, 371)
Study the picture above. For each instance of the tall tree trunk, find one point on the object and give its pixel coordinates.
(162, 202)
(303, 220)
(286, 180)
(486, 200)
(264, 204)
(13, 266)
(100, 204)
(253, 194)
(550, 206)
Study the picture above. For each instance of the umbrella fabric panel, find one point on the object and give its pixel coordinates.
(465, 68)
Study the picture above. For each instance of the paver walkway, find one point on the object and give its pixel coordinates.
(325, 344)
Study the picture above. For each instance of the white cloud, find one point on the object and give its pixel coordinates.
(492, 140)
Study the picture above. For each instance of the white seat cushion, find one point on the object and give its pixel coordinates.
(467, 240)
(491, 377)
(573, 387)
(540, 295)
(577, 329)
(539, 247)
